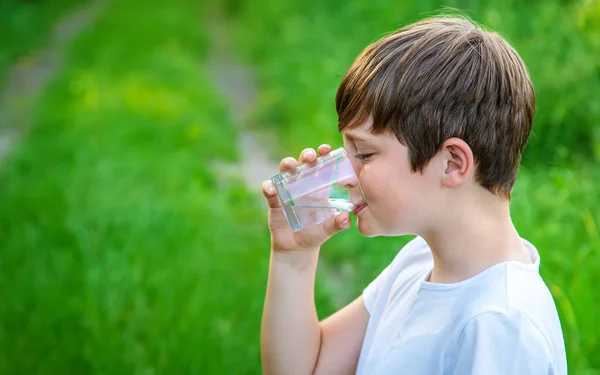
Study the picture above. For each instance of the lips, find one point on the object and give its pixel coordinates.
(359, 208)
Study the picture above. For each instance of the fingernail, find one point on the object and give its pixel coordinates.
(345, 222)
(309, 153)
(271, 189)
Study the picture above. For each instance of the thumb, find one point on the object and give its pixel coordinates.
(337, 224)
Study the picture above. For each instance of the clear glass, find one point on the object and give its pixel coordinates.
(317, 191)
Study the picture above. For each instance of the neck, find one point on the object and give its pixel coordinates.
(480, 234)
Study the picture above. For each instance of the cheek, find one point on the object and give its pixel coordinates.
(388, 195)
(391, 191)
(379, 187)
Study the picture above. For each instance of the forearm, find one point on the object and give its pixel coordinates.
(290, 332)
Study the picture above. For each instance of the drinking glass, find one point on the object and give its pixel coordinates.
(317, 191)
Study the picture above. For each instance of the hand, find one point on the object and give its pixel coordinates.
(309, 239)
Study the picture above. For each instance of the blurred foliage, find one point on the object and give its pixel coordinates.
(118, 254)
(25, 25)
(318, 40)
(115, 256)
(558, 210)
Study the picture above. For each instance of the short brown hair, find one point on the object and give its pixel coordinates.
(439, 78)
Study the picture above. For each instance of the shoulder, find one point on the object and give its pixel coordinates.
(506, 324)
(503, 342)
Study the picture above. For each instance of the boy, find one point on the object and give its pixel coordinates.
(437, 116)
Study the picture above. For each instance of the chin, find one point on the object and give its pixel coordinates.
(367, 230)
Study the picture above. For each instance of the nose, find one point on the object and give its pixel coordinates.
(353, 187)
(348, 182)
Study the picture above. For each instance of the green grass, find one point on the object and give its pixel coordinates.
(558, 210)
(122, 250)
(25, 25)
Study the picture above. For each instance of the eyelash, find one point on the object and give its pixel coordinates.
(363, 157)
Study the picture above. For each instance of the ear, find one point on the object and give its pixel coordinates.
(457, 159)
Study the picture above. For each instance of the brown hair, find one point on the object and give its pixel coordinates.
(439, 78)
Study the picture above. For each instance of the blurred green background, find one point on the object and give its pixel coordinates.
(133, 241)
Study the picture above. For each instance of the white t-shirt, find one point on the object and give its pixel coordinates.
(502, 321)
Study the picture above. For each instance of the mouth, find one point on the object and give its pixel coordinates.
(359, 208)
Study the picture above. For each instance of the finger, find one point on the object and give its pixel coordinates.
(307, 155)
(324, 149)
(269, 192)
(287, 164)
(337, 224)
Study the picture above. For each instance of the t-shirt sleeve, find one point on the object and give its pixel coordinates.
(372, 290)
(499, 343)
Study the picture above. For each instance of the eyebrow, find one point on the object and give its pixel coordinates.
(355, 137)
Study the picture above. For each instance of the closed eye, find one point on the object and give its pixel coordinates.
(363, 157)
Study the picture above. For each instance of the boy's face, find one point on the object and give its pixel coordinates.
(398, 200)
